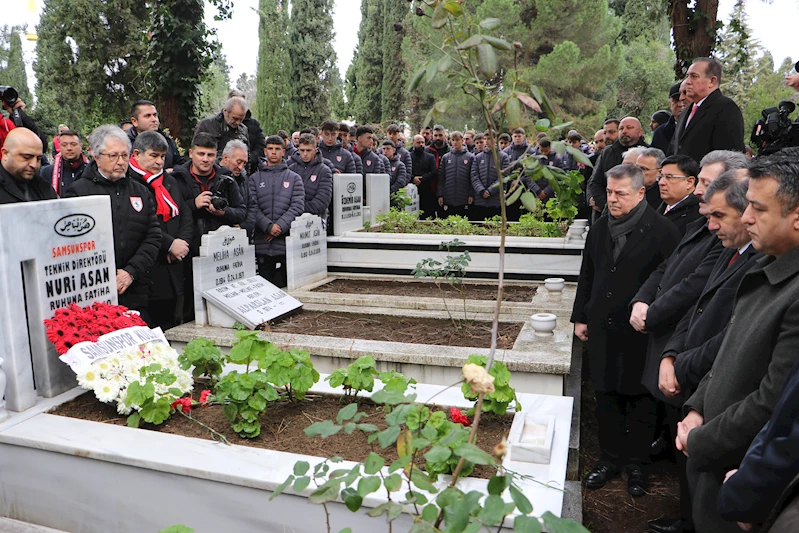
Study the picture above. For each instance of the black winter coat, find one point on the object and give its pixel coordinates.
(68, 176)
(277, 197)
(484, 176)
(423, 165)
(166, 280)
(173, 157)
(317, 180)
(223, 133)
(225, 185)
(662, 136)
(257, 142)
(516, 152)
(608, 158)
(604, 290)
(11, 193)
(404, 156)
(137, 235)
(397, 172)
(340, 157)
(717, 125)
(455, 178)
(672, 290)
(683, 214)
(372, 164)
(699, 334)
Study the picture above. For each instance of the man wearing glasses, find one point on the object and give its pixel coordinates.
(137, 235)
(677, 181)
(650, 160)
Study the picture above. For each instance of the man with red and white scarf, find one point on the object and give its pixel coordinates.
(68, 164)
(165, 302)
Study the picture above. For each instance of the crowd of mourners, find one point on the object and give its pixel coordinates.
(688, 295)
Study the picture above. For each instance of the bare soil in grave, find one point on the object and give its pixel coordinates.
(611, 509)
(412, 330)
(415, 289)
(283, 426)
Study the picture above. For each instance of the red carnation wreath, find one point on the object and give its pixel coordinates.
(75, 324)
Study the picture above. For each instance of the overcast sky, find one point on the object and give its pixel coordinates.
(773, 24)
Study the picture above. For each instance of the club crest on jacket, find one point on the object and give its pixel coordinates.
(137, 204)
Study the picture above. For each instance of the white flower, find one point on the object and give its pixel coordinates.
(88, 378)
(106, 391)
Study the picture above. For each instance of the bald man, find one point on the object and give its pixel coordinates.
(20, 160)
(630, 135)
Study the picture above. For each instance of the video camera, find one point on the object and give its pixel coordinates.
(775, 130)
(9, 96)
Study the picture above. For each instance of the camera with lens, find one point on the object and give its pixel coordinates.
(8, 95)
(219, 196)
(776, 130)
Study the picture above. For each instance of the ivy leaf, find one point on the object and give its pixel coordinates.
(368, 485)
(393, 482)
(373, 463)
(522, 503)
(472, 453)
(490, 23)
(325, 429)
(301, 468)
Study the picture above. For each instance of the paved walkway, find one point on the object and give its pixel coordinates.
(13, 526)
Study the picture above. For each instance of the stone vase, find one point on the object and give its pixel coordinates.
(544, 324)
(554, 284)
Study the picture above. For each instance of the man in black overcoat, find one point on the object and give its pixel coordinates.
(711, 121)
(623, 248)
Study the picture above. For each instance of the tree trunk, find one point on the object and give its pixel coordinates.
(168, 113)
(694, 31)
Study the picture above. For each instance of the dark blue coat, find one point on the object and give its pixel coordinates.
(277, 196)
(341, 158)
(317, 180)
(398, 173)
(455, 178)
(484, 175)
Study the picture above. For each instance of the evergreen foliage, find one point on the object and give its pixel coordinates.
(313, 58)
(12, 65)
(392, 100)
(737, 52)
(214, 87)
(366, 100)
(274, 101)
(339, 109)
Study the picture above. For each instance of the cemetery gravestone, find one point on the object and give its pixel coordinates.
(378, 191)
(226, 255)
(347, 203)
(252, 301)
(306, 252)
(413, 192)
(52, 254)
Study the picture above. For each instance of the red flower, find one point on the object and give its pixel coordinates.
(182, 404)
(204, 396)
(458, 417)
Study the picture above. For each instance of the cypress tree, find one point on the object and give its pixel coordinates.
(338, 106)
(14, 73)
(274, 101)
(367, 101)
(394, 68)
(312, 57)
(737, 51)
(89, 61)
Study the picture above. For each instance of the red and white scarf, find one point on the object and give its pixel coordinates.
(57, 171)
(166, 207)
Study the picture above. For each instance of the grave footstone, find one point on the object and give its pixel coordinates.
(413, 193)
(347, 203)
(52, 254)
(306, 252)
(226, 255)
(252, 301)
(378, 191)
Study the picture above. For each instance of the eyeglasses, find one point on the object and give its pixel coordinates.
(116, 157)
(672, 177)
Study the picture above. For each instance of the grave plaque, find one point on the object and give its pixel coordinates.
(306, 252)
(347, 203)
(252, 301)
(378, 192)
(226, 255)
(413, 192)
(52, 254)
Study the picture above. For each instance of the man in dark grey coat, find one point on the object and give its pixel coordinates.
(622, 250)
(737, 397)
(395, 169)
(485, 180)
(277, 197)
(228, 124)
(455, 191)
(334, 150)
(317, 178)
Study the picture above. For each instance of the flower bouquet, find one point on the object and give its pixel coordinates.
(75, 324)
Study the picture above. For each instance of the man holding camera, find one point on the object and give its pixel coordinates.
(16, 116)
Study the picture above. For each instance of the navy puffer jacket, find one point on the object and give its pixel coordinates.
(317, 180)
(454, 177)
(484, 175)
(276, 197)
(515, 152)
(398, 173)
(339, 156)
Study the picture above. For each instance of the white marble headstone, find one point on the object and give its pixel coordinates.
(347, 203)
(252, 301)
(413, 192)
(52, 254)
(306, 252)
(378, 194)
(226, 255)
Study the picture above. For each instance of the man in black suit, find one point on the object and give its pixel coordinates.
(623, 248)
(662, 136)
(737, 396)
(713, 121)
(725, 202)
(677, 181)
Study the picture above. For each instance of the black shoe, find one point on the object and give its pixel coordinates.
(637, 483)
(600, 475)
(666, 525)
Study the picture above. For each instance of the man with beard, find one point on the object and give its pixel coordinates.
(423, 164)
(335, 150)
(144, 117)
(317, 178)
(137, 237)
(21, 157)
(630, 134)
(165, 298)
(68, 163)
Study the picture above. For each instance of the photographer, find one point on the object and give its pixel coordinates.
(17, 118)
